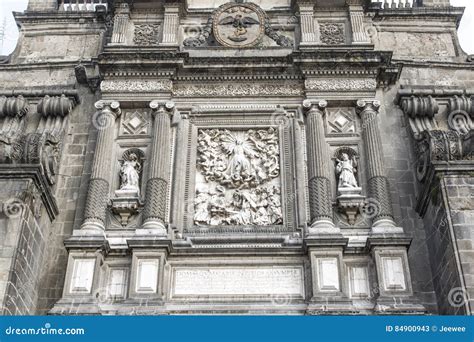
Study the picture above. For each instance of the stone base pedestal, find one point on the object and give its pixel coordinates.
(153, 228)
(125, 204)
(349, 201)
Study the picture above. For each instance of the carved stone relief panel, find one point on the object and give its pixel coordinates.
(332, 33)
(135, 122)
(237, 178)
(238, 25)
(146, 34)
(341, 121)
(235, 25)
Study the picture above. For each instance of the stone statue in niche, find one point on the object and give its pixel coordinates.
(130, 174)
(345, 169)
(127, 198)
(237, 182)
(349, 198)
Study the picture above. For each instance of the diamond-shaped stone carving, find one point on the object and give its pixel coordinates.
(135, 123)
(341, 120)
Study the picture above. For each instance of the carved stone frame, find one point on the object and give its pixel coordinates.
(288, 191)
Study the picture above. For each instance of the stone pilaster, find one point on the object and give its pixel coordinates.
(378, 186)
(122, 17)
(170, 25)
(319, 172)
(97, 197)
(356, 14)
(154, 213)
(308, 23)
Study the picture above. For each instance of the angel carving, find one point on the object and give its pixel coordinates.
(345, 170)
(240, 152)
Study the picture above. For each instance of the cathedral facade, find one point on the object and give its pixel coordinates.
(295, 157)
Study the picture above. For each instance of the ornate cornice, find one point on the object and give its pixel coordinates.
(129, 86)
(238, 89)
(32, 94)
(422, 108)
(54, 106)
(443, 135)
(345, 84)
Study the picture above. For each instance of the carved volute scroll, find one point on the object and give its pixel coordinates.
(41, 145)
(13, 112)
(441, 135)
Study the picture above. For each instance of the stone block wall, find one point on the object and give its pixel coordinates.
(459, 194)
(42, 5)
(70, 194)
(400, 160)
(23, 230)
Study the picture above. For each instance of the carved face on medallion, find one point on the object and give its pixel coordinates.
(239, 25)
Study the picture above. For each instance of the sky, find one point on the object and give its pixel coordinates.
(11, 32)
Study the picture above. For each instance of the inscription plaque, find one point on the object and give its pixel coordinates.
(244, 281)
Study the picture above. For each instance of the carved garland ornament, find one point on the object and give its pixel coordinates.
(341, 85)
(129, 86)
(146, 35)
(237, 179)
(245, 89)
(332, 33)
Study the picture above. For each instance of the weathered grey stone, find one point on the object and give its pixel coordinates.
(414, 212)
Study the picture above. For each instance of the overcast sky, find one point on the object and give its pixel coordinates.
(466, 30)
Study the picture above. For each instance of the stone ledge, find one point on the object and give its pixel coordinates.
(35, 173)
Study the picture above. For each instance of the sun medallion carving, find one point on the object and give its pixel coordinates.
(239, 25)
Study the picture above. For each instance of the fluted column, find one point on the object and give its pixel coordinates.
(154, 213)
(378, 186)
(121, 20)
(319, 171)
(97, 196)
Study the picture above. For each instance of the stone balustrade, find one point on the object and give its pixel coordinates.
(397, 4)
(80, 5)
